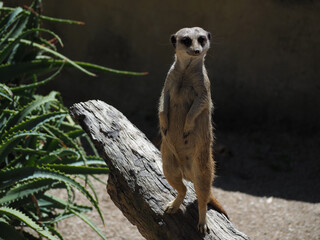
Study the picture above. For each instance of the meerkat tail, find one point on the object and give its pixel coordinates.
(217, 206)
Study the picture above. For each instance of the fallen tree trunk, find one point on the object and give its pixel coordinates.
(136, 183)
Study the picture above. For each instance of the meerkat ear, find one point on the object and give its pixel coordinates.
(173, 40)
(209, 36)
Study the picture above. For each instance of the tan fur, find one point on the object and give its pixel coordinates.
(185, 123)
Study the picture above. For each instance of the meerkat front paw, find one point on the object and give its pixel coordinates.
(188, 127)
(186, 131)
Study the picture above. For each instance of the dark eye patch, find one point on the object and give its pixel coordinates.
(186, 41)
(202, 40)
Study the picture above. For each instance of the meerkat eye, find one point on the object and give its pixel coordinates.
(202, 40)
(186, 41)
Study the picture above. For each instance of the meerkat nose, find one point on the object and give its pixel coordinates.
(197, 51)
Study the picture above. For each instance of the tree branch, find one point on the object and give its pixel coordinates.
(136, 183)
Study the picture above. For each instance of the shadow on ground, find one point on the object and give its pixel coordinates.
(269, 164)
(262, 162)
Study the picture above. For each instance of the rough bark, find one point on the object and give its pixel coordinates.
(136, 183)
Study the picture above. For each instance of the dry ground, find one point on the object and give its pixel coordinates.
(269, 184)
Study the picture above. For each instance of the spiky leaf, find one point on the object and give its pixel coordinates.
(14, 213)
(33, 123)
(90, 223)
(10, 142)
(21, 115)
(27, 188)
(10, 176)
(9, 232)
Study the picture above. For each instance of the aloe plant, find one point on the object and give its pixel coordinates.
(40, 145)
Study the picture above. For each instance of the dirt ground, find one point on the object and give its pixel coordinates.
(268, 183)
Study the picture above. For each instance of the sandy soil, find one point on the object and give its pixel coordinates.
(269, 187)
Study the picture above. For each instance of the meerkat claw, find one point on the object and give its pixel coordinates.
(186, 134)
(171, 208)
(203, 228)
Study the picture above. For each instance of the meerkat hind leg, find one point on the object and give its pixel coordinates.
(202, 184)
(177, 184)
(203, 195)
(173, 175)
(174, 178)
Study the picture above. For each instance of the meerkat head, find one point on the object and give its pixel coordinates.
(193, 42)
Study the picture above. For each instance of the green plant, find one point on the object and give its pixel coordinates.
(40, 145)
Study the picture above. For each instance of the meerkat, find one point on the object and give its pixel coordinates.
(185, 122)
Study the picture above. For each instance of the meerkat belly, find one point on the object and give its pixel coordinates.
(179, 107)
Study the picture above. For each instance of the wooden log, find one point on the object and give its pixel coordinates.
(136, 183)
